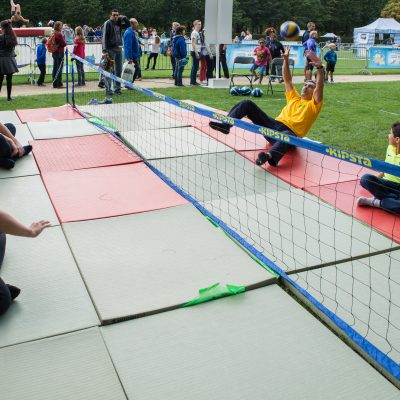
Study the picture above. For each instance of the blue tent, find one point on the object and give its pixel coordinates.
(366, 34)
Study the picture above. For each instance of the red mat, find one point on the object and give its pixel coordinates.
(81, 152)
(48, 114)
(107, 192)
(303, 168)
(344, 196)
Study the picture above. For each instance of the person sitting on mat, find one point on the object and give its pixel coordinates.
(9, 225)
(385, 187)
(10, 148)
(295, 119)
(16, 17)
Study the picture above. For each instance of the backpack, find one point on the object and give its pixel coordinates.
(51, 44)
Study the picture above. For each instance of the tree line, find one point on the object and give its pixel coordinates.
(339, 16)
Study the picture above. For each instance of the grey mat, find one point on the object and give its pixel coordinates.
(297, 230)
(162, 106)
(9, 117)
(53, 297)
(173, 142)
(364, 293)
(218, 175)
(258, 345)
(26, 165)
(107, 110)
(68, 367)
(62, 129)
(136, 264)
(26, 199)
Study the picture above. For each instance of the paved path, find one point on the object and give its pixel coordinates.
(28, 90)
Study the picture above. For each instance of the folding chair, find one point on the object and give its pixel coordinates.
(249, 76)
(278, 64)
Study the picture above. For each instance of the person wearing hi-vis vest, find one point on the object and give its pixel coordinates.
(296, 118)
(132, 47)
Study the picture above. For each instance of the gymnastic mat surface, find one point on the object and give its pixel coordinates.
(81, 152)
(53, 298)
(107, 192)
(142, 263)
(257, 345)
(48, 114)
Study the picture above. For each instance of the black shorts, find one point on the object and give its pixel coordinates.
(330, 67)
(309, 66)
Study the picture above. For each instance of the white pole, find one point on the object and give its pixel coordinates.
(217, 44)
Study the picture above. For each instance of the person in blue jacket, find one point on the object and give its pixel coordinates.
(41, 61)
(331, 58)
(179, 52)
(132, 49)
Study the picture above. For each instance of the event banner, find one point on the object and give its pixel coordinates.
(384, 57)
(247, 50)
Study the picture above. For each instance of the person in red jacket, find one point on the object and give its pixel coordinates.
(58, 55)
(79, 50)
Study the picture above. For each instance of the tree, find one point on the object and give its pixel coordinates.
(83, 12)
(392, 10)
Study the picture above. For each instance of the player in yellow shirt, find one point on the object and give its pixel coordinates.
(295, 119)
(385, 187)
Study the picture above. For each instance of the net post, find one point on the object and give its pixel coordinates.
(72, 84)
(66, 75)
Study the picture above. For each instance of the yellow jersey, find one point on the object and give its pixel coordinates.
(299, 114)
(392, 158)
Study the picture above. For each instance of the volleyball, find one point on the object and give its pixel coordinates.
(234, 91)
(257, 92)
(245, 91)
(289, 30)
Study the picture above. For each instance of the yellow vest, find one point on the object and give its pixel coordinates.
(392, 158)
(299, 114)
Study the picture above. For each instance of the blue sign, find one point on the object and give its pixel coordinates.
(384, 57)
(247, 50)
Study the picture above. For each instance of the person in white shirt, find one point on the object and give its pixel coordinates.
(155, 43)
(196, 51)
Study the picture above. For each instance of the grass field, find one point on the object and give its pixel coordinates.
(355, 116)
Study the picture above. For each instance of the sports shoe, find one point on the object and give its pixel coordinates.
(262, 158)
(219, 126)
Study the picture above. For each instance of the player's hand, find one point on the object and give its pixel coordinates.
(38, 227)
(287, 52)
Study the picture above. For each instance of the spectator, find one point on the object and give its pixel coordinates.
(58, 56)
(79, 50)
(262, 61)
(85, 30)
(268, 32)
(10, 148)
(51, 23)
(132, 48)
(68, 34)
(236, 40)
(248, 36)
(179, 53)
(203, 59)
(98, 33)
(107, 64)
(196, 52)
(222, 60)
(331, 58)
(41, 61)
(123, 23)
(306, 36)
(8, 65)
(242, 36)
(9, 225)
(112, 43)
(155, 49)
(91, 35)
(163, 36)
(171, 38)
(310, 48)
(276, 49)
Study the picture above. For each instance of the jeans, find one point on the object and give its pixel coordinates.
(116, 55)
(247, 108)
(178, 72)
(5, 147)
(222, 62)
(276, 69)
(58, 62)
(5, 295)
(81, 72)
(195, 68)
(42, 68)
(154, 57)
(386, 191)
(173, 61)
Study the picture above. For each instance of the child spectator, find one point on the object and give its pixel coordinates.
(155, 49)
(385, 187)
(41, 61)
(79, 50)
(179, 53)
(330, 57)
(262, 61)
(107, 64)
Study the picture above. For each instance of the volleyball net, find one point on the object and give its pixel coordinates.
(300, 219)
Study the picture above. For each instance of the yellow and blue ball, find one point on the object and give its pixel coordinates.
(289, 30)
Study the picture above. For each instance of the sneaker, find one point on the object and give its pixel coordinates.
(195, 84)
(14, 291)
(262, 158)
(219, 126)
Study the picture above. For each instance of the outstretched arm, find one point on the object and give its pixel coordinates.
(319, 89)
(10, 225)
(287, 77)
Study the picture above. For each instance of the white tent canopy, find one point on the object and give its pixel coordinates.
(366, 34)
